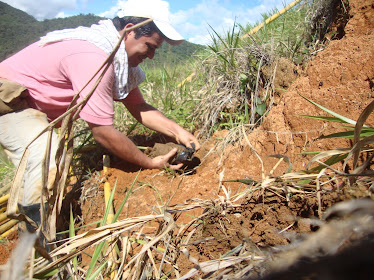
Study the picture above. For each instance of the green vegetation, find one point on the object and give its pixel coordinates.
(18, 29)
(239, 71)
(6, 172)
(361, 134)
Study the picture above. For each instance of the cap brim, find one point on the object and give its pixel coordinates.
(172, 36)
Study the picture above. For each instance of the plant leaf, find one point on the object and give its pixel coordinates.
(344, 119)
(326, 154)
(261, 108)
(329, 119)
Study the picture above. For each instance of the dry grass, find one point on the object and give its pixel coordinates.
(321, 19)
(231, 97)
(155, 254)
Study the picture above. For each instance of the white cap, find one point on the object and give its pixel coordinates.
(158, 11)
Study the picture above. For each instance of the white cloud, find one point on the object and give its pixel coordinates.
(62, 15)
(111, 13)
(43, 9)
(200, 39)
(219, 15)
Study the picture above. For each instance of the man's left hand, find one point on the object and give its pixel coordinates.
(186, 138)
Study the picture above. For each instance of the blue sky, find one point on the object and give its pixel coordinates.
(191, 18)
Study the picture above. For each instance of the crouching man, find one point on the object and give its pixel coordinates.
(39, 82)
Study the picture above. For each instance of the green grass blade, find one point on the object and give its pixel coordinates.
(72, 234)
(96, 273)
(49, 273)
(344, 119)
(100, 247)
(332, 160)
(349, 134)
(125, 199)
(309, 153)
(329, 119)
(95, 257)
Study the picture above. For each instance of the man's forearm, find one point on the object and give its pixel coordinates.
(120, 145)
(155, 120)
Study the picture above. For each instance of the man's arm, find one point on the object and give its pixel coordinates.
(155, 120)
(120, 145)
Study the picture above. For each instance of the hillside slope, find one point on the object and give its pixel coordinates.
(341, 78)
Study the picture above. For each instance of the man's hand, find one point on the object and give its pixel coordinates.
(123, 147)
(163, 161)
(154, 119)
(186, 138)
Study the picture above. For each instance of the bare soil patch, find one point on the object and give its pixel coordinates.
(340, 78)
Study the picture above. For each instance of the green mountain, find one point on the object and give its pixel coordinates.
(18, 29)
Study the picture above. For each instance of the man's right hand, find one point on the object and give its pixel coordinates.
(163, 161)
(120, 145)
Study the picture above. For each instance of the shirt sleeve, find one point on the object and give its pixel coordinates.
(134, 97)
(79, 69)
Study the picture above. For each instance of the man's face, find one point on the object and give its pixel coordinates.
(141, 48)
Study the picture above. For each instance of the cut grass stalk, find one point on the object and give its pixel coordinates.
(4, 199)
(7, 225)
(109, 204)
(8, 232)
(107, 191)
(3, 217)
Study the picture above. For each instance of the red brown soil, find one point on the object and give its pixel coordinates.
(6, 247)
(341, 78)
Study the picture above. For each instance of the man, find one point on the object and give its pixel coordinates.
(58, 66)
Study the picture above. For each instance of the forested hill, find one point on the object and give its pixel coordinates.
(18, 29)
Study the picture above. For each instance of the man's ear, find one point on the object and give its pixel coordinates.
(129, 25)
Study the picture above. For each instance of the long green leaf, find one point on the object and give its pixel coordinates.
(348, 134)
(125, 199)
(332, 160)
(325, 154)
(48, 273)
(344, 119)
(329, 119)
(72, 234)
(100, 247)
(95, 257)
(96, 273)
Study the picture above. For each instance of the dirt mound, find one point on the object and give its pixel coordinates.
(340, 77)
